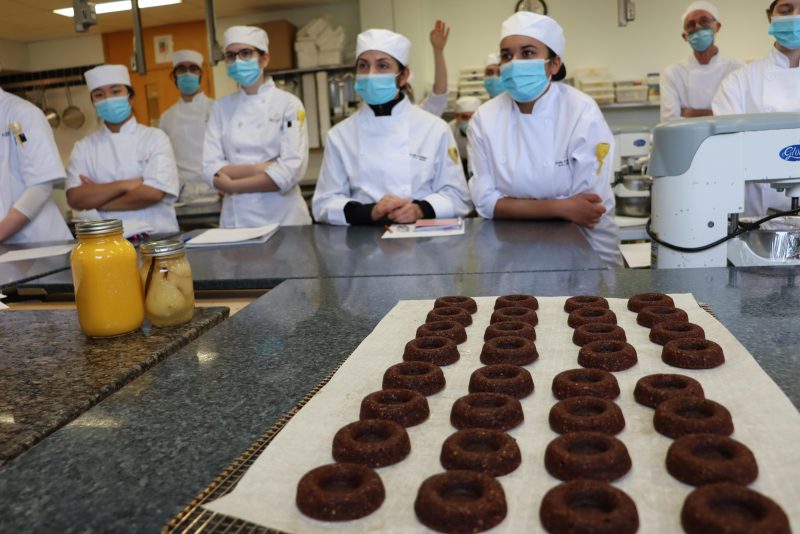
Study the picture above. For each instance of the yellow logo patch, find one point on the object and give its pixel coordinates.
(301, 115)
(453, 154)
(601, 151)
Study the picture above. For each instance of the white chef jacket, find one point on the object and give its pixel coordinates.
(766, 85)
(461, 139)
(250, 129)
(135, 151)
(549, 154)
(185, 124)
(24, 164)
(410, 154)
(434, 103)
(688, 84)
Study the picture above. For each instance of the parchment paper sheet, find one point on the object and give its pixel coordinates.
(764, 419)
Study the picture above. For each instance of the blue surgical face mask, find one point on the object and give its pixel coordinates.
(493, 85)
(188, 84)
(786, 30)
(701, 40)
(245, 73)
(114, 110)
(525, 79)
(463, 127)
(376, 89)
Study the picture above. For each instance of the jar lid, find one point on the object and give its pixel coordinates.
(98, 227)
(162, 247)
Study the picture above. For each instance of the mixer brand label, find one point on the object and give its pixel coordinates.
(791, 153)
(639, 143)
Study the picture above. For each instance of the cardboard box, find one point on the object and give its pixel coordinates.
(281, 43)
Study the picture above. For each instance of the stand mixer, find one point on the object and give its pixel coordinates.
(631, 187)
(700, 168)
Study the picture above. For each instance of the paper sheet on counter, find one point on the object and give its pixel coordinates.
(35, 253)
(233, 236)
(637, 255)
(764, 418)
(404, 231)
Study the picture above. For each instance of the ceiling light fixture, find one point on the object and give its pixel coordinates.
(122, 5)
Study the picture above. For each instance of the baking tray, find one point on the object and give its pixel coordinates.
(194, 518)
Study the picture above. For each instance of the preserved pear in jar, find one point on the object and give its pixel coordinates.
(166, 277)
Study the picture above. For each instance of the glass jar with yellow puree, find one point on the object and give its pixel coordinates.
(108, 291)
(167, 281)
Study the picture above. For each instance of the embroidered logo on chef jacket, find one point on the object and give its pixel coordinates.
(601, 151)
(419, 157)
(453, 151)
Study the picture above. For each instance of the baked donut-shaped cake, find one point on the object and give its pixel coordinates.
(669, 330)
(652, 390)
(459, 315)
(642, 300)
(339, 492)
(583, 316)
(422, 377)
(486, 410)
(679, 416)
(502, 378)
(586, 414)
(727, 507)
(481, 449)
(371, 442)
(434, 349)
(458, 301)
(584, 301)
(509, 349)
(449, 329)
(597, 332)
(609, 355)
(460, 502)
(585, 383)
(516, 301)
(652, 315)
(588, 507)
(692, 354)
(515, 314)
(510, 328)
(403, 406)
(591, 455)
(700, 459)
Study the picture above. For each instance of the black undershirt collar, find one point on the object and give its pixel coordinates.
(384, 110)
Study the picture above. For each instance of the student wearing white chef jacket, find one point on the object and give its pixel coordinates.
(466, 106)
(436, 101)
(687, 87)
(542, 149)
(491, 75)
(256, 145)
(185, 124)
(390, 161)
(29, 166)
(124, 170)
(767, 85)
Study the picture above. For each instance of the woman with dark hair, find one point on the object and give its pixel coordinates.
(256, 143)
(767, 85)
(125, 170)
(542, 149)
(390, 161)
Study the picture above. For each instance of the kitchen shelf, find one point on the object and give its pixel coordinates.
(310, 70)
(631, 105)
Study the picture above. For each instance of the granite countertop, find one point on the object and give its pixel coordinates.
(50, 372)
(323, 251)
(136, 459)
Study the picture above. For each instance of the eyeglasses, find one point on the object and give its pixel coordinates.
(704, 22)
(183, 69)
(244, 54)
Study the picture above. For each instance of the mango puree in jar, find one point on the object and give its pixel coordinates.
(108, 291)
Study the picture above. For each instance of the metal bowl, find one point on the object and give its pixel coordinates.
(632, 193)
(773, 244)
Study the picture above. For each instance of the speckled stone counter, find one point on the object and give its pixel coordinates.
(133, 461)
(50, 372)
(323, 251)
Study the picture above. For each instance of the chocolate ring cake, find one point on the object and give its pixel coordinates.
(516, 301)
(515, 314)
(486, 410)
(584, 301)
(726, 507)
(422, 377)
(611, 355)
(591, 455)
(510, 328)
(403, 406)
(434, 349)
(581, 414)
(652, 315)
(459, 315)
(679, 416)
(642, 300)
(597, 332)
(585, 383)
(339, 492)
(481, 449)
(458, 301)
(371, 442)
(692, 354)
(588, 506)
(460, 502)
(700, 459)
(502, 378)
(509, 349)
(583, 316)
(449, 329)
(652, 390)
(666, 331)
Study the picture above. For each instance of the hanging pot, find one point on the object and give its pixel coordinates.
(51, 114)
(73, 116)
